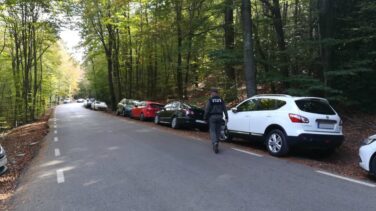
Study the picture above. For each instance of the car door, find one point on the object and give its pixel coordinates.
(240, 117)
(137, 110)
(172, 110)
(163, 114)
(267, 113)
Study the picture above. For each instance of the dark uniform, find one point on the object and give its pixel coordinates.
(214, 111)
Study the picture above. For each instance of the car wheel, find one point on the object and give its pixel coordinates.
(372, 166)
(142, 117)
(174, 123)
(156, 120)
(276, 143)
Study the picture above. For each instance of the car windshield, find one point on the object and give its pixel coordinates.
(316, 106)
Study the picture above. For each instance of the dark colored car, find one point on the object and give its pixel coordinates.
(180, 114)
(125, 107)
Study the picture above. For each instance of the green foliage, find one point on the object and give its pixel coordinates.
(34, 70)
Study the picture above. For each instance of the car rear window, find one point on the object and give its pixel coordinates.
(315, 106)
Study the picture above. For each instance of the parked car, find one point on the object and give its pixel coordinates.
(367, 154)
(125, 107)
(80, 100)
(180, 114)
(66, 101)
(88, 102)
(99, 105)
(146, 110)
(3, 160)
(283, 121)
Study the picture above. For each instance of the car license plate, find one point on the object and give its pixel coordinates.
(326, 126)
(200, 121)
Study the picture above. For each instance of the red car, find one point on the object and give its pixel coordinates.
(146, 110)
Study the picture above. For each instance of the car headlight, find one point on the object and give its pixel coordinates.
(369, 140)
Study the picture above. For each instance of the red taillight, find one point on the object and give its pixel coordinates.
(295, 118)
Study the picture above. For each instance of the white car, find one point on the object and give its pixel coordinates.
(67, 100)
(283, 121)
(98, 105)
(80, 100)
(367, 154)
(3, 160)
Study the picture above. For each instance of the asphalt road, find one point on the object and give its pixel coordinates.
(97, 162)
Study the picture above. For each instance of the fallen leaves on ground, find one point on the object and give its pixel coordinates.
(21, 145)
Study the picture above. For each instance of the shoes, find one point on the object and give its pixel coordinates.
(215, 147)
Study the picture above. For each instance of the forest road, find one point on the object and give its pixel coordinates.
(93, 161)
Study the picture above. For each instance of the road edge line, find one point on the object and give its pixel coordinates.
(247, 152)
(347, 179)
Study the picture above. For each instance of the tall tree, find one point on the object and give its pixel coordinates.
(249, 60)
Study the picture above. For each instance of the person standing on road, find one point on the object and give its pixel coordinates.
(214, 110)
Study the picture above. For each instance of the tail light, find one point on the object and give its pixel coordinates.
(295, 118)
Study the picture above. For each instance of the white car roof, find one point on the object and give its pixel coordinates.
(283, 96)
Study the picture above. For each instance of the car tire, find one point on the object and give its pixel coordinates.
(276, 143)
(156, 119)
(142, 117)
(372, 166)
(174, 123)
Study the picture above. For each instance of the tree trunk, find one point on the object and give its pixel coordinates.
(249, 61)
(178, 10)
(230, 85)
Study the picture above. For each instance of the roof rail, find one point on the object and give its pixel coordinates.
(272, 95)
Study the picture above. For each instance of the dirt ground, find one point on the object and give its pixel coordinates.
(21, 145)
(344, 161)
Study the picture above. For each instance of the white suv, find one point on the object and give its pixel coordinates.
(367, 154)
(283, 121)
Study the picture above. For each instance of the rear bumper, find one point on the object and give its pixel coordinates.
(190, 122)
(316, 141)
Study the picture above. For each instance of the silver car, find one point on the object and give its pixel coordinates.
(3, 160)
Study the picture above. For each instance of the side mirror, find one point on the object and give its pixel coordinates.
(234, 110)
